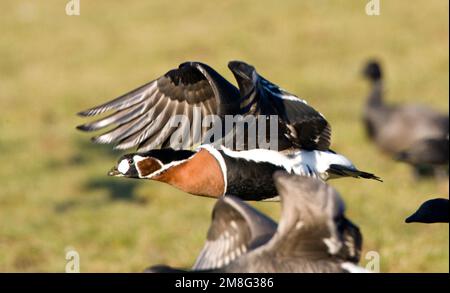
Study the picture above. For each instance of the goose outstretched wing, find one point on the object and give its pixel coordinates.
(141, 117)
(300, 123)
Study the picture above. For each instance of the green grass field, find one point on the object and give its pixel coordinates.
(54, 192)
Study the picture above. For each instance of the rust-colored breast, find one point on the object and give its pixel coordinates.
(200, 175)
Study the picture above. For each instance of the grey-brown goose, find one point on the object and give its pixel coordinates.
(397, 128)
(313, 234)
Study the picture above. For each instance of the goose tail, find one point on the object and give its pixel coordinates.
(344, 171)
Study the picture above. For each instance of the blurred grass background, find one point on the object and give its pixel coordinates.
(54, 192)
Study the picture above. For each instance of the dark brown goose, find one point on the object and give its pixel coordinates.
(313, 234)
(398, 128)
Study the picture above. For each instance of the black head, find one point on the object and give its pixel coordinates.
(431, 211)
(372, 71)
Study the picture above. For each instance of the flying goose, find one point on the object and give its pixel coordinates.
(213, 172)
(432, 211)
(398, 128)
(313, 234)
(141, 118)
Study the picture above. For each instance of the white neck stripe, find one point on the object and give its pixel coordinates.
(223, 167)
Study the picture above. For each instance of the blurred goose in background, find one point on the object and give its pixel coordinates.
(398, 129)
(428, 152)
(432, 211)
(209, 168)
(313, 234)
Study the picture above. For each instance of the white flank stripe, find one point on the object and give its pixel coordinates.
(296, 163)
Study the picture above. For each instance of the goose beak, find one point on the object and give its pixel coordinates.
(114, 172)
(411, 219)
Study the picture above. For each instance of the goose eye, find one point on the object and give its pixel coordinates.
(130, 162)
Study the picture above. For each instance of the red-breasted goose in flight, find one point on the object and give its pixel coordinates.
(201, 167)
(432, 211)
(397, 129)
(313, 234)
